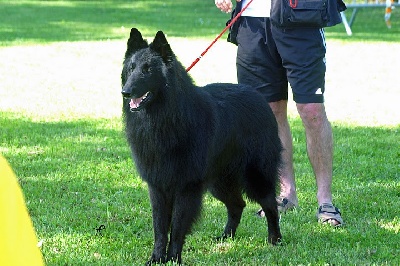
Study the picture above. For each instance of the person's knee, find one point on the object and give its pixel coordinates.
(312, 114)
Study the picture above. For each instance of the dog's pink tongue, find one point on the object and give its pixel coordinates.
(134, 103)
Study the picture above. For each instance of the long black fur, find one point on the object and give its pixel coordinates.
(187, 139)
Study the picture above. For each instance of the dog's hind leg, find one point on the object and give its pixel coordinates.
(268, 204)
(230, 194)
(260, 186)
(186, 209)
(161, 206)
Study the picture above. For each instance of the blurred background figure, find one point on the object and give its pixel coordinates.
(388, 12)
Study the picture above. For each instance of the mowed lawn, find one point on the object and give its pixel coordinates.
(61, 130)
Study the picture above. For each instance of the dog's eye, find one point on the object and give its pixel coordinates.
(132, 67)
(146, 68)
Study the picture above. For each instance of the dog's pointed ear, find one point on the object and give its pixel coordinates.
(135, 42)
(161, 46)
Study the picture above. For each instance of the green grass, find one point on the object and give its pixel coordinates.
(61, 130)
(28, 21)
(77, 175)
(53, 21)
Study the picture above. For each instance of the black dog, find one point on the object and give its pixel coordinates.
(186, 139)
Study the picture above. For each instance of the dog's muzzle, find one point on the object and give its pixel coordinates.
(137, 104)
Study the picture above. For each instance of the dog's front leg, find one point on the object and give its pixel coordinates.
(161, 206)
(186, 209)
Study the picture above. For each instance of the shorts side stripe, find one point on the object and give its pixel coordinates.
(322, 32)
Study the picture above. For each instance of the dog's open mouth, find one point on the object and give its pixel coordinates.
(137, 104)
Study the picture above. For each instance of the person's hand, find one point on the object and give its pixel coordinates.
(225, 5)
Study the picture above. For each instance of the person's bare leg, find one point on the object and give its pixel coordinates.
(320, 152)
(319, 147)
(287, 178)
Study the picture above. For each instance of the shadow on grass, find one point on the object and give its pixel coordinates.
(55, 21)
(78, 175)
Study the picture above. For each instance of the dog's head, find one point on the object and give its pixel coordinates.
(145, 69)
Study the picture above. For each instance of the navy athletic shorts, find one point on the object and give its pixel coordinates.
(269, 58)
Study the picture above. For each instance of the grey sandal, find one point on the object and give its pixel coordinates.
(283, 205)
(327, 213)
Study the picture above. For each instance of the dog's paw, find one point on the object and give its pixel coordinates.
(155, 260)
(224, 237)
(275, 240)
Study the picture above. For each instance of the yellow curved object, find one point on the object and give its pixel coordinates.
(18, 242)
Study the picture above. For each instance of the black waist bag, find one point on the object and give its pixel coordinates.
(300, 13)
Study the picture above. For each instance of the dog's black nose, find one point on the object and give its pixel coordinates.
(126, 94)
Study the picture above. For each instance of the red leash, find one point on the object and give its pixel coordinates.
(219, 36)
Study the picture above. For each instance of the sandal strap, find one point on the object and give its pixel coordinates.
(328, 212)
(282, 201)
(328, 208)
(284, 204)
